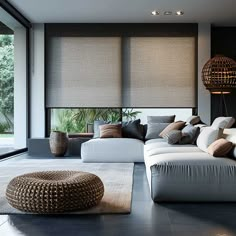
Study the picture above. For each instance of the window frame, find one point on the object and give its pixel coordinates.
(11, 10)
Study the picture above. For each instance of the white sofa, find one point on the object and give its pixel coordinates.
(174, 172)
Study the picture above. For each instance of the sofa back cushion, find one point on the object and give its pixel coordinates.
(96, 130)
(207, 137)
(160, 119)
(223, 122)
(220, 148)
(110, 131)
(173, 126)
(154, 130)
(132, 129)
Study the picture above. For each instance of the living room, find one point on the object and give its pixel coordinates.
(117, 118)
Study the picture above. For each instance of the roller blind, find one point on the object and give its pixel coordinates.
(83, 72)
(159, 72)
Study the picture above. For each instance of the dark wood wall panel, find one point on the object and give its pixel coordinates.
(223, 41)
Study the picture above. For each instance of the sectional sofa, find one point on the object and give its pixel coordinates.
(174, 172)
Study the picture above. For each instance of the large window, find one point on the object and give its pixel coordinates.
(13, 84)
(81, 120)
(6, 92)
(93, 67)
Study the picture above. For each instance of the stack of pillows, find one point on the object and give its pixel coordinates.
(211, 138)
(207, 138)
(131, 129)
(192, 131)
(178, 132)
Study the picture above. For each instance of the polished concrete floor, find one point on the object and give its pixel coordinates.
(146, 218)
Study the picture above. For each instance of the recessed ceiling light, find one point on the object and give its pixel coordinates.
(179, 13)
(167, 13)
(155, 13)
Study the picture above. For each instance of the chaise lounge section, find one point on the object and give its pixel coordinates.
(189, 174)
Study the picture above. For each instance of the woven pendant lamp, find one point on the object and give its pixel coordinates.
(219, 75)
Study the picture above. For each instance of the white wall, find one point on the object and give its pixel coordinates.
(20, 85)
(204, 54)
(37, 114)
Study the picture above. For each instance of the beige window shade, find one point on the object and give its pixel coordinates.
(160, 72)
(84, 72)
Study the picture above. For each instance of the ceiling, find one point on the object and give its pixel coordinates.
(218, 12)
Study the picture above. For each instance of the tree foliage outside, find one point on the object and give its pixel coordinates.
(76, 120)
(6, 82)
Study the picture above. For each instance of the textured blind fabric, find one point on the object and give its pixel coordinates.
(160, 72)
(83, 72)
(115, 72)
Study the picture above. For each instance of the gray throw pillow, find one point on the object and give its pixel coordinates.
(173, 136)
(132, 129)
(189, 134)
(154, 130)
(96, 129)
(160, 119)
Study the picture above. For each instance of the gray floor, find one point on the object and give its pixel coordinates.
(4, 150)
(146, 218)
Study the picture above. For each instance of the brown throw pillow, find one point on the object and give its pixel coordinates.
(110, 131)
(173, 126)
(220, 148)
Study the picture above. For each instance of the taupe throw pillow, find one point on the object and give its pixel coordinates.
(173, 126)
(220, 148)
(110, 131)
(173, 136)
(193, 120)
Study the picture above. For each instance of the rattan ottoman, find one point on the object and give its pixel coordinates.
(54, 191)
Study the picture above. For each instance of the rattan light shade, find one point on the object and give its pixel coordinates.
(219, 74)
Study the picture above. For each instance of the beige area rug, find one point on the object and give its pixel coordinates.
(117, 179)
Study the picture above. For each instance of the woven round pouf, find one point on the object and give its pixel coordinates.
(54, 191)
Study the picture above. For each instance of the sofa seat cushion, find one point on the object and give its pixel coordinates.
(156, 140)
(112, 150)
(161, 143)
(186, 158)
(171, 149)
(191, 177)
